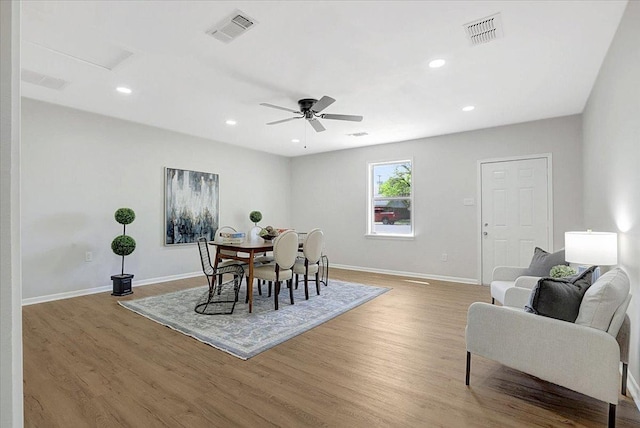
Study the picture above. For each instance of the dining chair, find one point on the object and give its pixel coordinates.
(312, 251)
(254, 236)
(218, 238)
(285, 249)
(222, 296)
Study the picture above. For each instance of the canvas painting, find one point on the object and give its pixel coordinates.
(191, 206)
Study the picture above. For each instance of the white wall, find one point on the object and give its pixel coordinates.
(79, 167)
(329, 190)
(612, 158)
(11, 405)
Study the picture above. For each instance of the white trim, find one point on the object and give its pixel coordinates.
(389, 236)
(105, 288)
(409, 274)
(549, 158)
(632, 388)
(11, 355)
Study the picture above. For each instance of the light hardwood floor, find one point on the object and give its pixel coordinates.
(396, 361)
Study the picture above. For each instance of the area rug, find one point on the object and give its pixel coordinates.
(245, 335)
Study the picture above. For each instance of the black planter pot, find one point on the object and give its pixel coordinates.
(122, 284)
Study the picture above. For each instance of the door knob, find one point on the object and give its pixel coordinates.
(486, 224)
(485, 233)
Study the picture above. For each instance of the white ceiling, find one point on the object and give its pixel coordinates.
(371, 56)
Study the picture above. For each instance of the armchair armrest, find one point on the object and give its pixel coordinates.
(507, 273)
(577, 357)
(526, 281)
(517, 297)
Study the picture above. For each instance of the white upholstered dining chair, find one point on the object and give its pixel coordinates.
(310, 263)
(218, 238)
(285, 249)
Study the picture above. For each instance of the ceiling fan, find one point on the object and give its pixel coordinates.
(310, 109)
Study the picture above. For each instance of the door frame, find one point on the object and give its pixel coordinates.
(549, 158)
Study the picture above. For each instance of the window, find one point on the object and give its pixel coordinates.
(390, 199)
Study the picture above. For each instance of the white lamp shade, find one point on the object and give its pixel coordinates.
(591, 248)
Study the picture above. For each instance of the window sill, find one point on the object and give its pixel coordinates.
(389, 236)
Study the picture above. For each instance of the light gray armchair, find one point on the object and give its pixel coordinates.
(583, 356)
(507, 277)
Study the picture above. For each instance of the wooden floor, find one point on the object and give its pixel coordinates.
(396, 361)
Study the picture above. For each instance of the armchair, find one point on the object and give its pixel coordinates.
(578, 356)
(507, 277)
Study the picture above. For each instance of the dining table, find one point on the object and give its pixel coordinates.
(245, 252)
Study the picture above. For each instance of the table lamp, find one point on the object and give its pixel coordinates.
(590, 248)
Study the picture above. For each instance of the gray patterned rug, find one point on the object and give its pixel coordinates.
(245, 335)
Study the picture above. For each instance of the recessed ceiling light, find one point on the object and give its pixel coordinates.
(437, 63)
(124, 90)
(231, 122)
(468, 108)
(295, 140)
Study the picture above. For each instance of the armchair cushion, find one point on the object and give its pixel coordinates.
(559, 298)
(603, 298)
(542, 262)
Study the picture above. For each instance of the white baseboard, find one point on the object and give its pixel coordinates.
(633, 389)
(86, 291)
(473, 281)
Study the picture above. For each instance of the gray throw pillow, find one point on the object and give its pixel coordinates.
(542, 262)
(559, 298)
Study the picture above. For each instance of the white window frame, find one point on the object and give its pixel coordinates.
(370, 233)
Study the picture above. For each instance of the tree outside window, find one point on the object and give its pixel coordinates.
(390, 198)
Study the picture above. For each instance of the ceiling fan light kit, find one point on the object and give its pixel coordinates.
(310, 109)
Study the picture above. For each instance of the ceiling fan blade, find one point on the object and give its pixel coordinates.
(322, 104)
(349, 117)
(284, 120)
(280, 108)
(315, 123)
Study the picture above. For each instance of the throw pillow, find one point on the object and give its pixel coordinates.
(603, 299)
(542, 262)
(559, 298)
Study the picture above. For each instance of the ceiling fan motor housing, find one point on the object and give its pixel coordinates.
(306, 104)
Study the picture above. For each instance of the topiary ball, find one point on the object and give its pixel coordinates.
(125, 215)
(255, 216)
(123, 245)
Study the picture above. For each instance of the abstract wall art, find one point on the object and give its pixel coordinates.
(191, 206)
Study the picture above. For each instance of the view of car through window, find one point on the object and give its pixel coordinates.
(390, 198)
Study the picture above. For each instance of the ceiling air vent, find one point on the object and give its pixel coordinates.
(232, 26)
(484, 30)
(42, 79)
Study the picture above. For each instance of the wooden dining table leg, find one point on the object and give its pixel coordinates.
(250, 279)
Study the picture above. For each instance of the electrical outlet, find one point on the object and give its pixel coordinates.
(88, 256)
(444, 257)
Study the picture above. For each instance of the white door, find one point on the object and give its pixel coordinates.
(515, 215)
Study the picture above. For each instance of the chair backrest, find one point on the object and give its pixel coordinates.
(313, 244)
(218, 238)
(285, 249)
(223, 229)
(618, 317)
(205, 259)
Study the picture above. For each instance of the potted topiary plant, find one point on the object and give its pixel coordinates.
(255, 217)
(123, 245)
